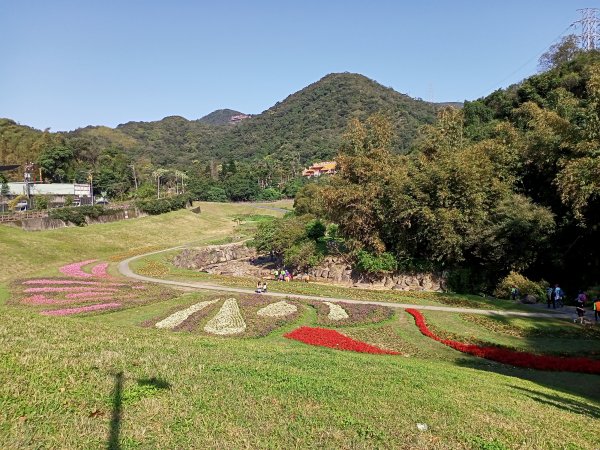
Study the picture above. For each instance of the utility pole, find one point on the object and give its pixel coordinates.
(589, 28)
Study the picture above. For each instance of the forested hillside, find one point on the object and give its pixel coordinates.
(305, 127)
(509, 183)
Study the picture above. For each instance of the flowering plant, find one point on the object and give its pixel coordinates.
(512, 357)
(324, 337)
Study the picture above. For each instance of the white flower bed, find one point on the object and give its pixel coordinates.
(228, 320)
(336, 312)
(279, 309)
(177, 318)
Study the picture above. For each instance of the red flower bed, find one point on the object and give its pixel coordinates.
(323, 337)
(512, 357)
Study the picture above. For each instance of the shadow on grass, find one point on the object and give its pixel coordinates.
(117, 410)
(144, 387)
(565, 404)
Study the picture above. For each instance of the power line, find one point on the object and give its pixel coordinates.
(521, 67)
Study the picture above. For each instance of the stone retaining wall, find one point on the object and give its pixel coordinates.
(238, 260)
(202, 258)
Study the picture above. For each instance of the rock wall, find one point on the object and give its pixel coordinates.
(203, 258)
(337, 271)
(238, 260)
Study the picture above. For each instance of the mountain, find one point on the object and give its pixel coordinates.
(306, 126)
(222, 117)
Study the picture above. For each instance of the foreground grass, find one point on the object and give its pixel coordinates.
(89, 382)
(104, 381)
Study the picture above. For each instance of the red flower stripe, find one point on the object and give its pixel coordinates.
(324, 337)
(512, 357)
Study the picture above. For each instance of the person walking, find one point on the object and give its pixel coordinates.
(514, 292)
(596, 308)
(549, 295)
(580, 306)
(558, 297)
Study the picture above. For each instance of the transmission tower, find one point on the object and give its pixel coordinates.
(589, 28)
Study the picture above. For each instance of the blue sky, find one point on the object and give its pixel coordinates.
(68, 64)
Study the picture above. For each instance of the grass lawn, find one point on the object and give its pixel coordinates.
(105, 381)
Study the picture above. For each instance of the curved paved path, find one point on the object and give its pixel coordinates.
(125, 270)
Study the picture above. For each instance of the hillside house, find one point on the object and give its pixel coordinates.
(318, 169)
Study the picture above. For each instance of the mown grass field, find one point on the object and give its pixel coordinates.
(105, 381)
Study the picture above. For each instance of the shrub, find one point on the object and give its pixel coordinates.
(77, 215)
(162, 205)
(370, 263)
(303, 255)
(269, 194)
(214, 194)
(525, 286)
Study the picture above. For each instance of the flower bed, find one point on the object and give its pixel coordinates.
(227, 321)
(324, 337)
(179, 317)
(358, 314)
(512, 357)
(80, 309)
(99, 270)
(51, 281)
(74, 269)
(69, 289)
(279, 309)
(336, 312)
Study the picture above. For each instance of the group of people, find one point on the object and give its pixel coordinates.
(282, 275)
(555, 297)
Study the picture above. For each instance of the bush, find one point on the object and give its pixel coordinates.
(375, 264)
(523, 284)
(214, 194)
(269, 194)
(78, 214)
(162, 205)
(303, 255)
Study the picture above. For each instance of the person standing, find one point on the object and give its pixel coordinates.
(549, 295)
(596, 308)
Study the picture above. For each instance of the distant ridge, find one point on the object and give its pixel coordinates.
(222, 117)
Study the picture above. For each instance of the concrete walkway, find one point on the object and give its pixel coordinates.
(125, 270)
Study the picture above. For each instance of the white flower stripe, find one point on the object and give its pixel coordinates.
(228, 320)
(279, 309)
(336, 312)
(177, 318)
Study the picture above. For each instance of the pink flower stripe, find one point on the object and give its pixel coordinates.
(86, 283)
(80, 309)
(99, 270)
(138, 286)
(324, 337)
(69, 289)
(88, 294)
(74, 269)
(38, 300)
(512, 357)
(41, 300)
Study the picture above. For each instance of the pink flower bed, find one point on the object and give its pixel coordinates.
(99, 270)
(138, 286)
(74, 269)
(69, 289)
(80, 309)
(512, 357)
(38, 299)
(69, 282)
(89, 294)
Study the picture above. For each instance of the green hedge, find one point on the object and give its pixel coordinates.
(163, 205)
(77, 215)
